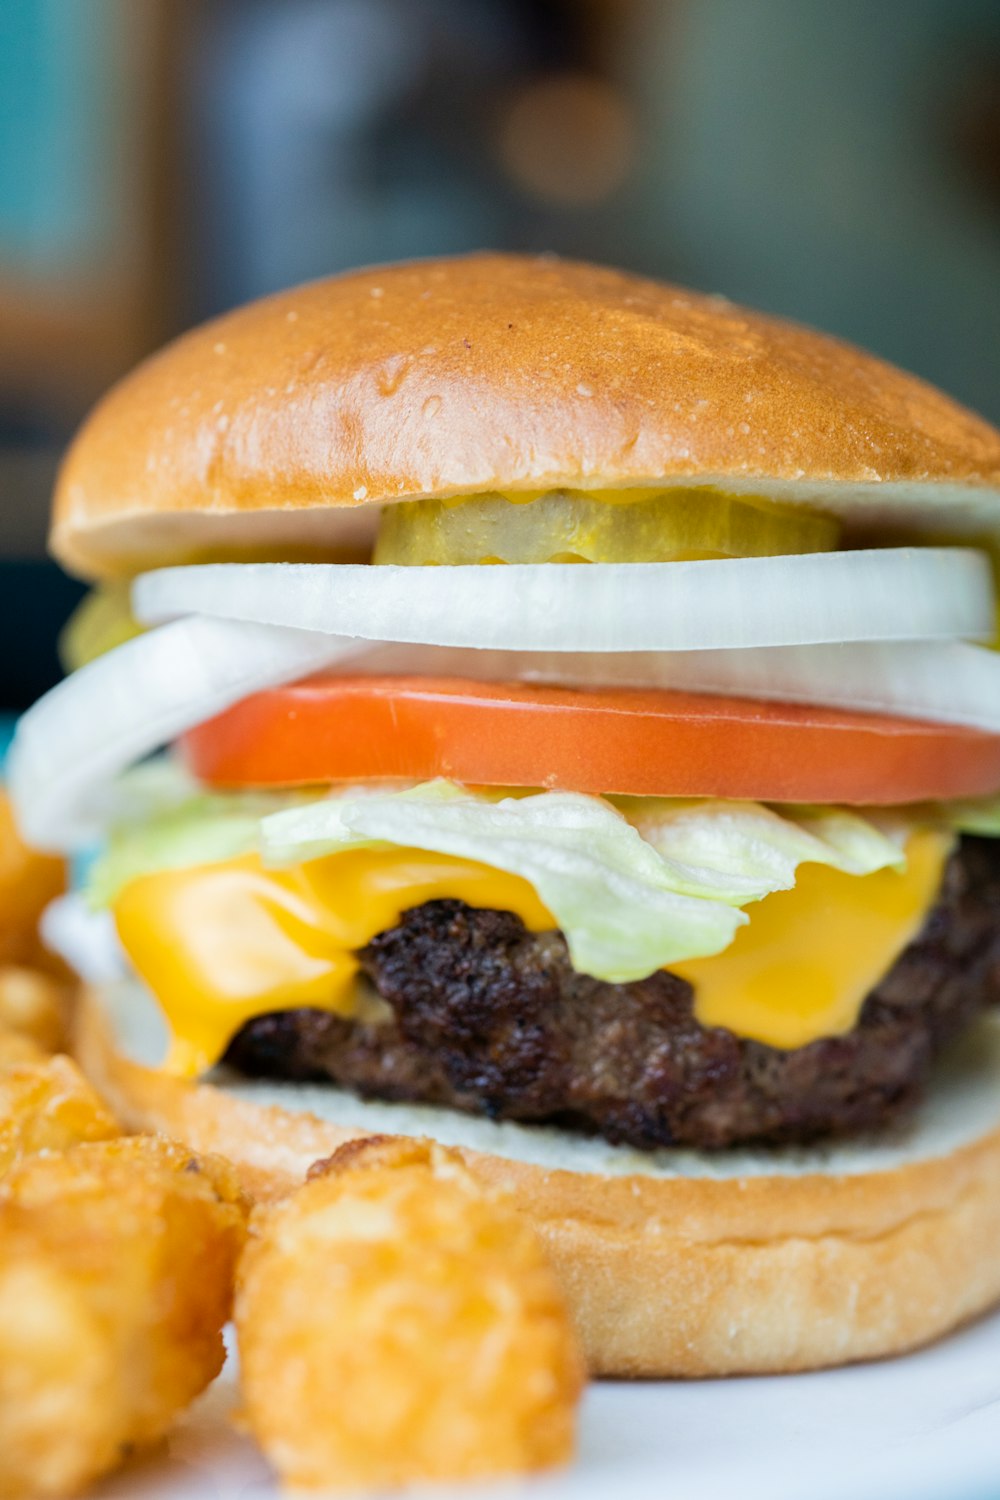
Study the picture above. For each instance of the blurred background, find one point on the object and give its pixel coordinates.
(162, 160)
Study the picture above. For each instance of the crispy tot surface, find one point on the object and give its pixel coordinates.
(116, 1268)
(19, 1051)
(28, 882)
(396, 1324)
(45, 1105)
(34, 1005)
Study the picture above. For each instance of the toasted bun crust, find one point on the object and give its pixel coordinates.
(278, 429)
(671, 1275)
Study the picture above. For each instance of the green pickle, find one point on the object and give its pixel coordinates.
(101, 621)
(619, 526)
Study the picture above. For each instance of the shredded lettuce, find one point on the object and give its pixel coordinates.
(979, 816)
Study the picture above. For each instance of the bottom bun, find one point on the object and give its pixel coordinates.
(675, 1263)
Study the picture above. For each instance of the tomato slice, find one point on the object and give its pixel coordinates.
(332, 728)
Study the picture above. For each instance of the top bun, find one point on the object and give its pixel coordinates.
(278, 430)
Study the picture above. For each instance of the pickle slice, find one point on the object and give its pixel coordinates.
(101, 621)
(563, 526)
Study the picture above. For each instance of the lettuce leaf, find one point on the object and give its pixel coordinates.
(160, 819)
(634, 883)
(757, 849)
(623, 909)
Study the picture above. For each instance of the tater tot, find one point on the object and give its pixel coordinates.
(46, 1104)
(116, 1268)
(28, 882)
(18, 1050)
(397, 1324)
(33, 1004)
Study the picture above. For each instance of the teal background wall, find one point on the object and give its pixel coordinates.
(60, 62)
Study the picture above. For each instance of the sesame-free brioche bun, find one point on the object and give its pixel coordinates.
(278, 430)
(675, 1263)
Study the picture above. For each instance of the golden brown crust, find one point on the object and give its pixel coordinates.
(355, 1390)
(301, 413)
(117, 1263)
(673, 1276)
(47, 1105)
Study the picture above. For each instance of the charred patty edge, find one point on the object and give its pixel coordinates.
(485, 1017)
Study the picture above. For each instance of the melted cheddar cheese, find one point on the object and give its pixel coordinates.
(220, 944)
(223, 943)
(802, 967)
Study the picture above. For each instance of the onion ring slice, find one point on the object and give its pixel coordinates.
(891, 594)
(72, 744)
(950, 682)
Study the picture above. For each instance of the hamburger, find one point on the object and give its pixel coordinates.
(585, 747)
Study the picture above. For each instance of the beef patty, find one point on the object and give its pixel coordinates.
(481, 1015)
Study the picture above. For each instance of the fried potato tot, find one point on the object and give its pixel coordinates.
(116, 1271)
(397, 1324)
(28, 882)
(18, 1051)
(35, 1005)
(46, 1105)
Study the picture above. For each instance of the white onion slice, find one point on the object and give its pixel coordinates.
(949, 682)
(903, 593)
(70, 746)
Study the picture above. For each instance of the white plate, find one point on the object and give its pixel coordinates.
(926, 1427)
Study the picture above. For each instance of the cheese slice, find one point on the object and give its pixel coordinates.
(802, 967)
(223, 943)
